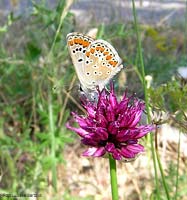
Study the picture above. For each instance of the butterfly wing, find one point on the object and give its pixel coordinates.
(95, 61)
(77, 45)
(101, 64)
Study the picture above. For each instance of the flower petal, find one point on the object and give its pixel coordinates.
(101, 120)
(89, 142)
(127, 153)
(135, 148)
(110, 113)
(122, 106)
(141, 131)
(110, 147)
(82, 121)
(102, 132)
(116, 155)
(79, 131)
(113, 127)
(112, 97)
(93, 151)
(91, 109)
(130, 151)
(102, 101)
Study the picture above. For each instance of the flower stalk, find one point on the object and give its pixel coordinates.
(113, 178)
(111, 127)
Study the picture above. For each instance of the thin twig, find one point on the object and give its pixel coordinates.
(73, 100)
(65, 100)
(68, 96)
(11, 61)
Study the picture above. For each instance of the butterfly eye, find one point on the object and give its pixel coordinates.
(80, 49)
(88, 73)
(84, 51)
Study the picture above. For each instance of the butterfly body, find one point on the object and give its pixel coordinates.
(95, 61)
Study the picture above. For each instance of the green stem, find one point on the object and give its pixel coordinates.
(140, 55)
(178, 163)
(52, 136)
(145, 92)
(163, 177)
(185, 32)
(113, 178)
(66, 5)
(155, 167)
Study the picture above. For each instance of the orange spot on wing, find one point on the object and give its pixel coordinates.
(76, 41)
(92, 50)
(102, 49)
(70, 42)
(111, 62)
(115, 63)
(108, 57)
(79, 41)
(87, 53)
(85, 43)
(98, 48)
(105, 52)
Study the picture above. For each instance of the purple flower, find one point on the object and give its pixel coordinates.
(111, 126)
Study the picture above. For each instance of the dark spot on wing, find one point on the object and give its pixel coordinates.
(80, 60)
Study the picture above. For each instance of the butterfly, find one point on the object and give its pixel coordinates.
(96, 62)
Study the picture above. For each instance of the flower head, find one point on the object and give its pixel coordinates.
(111, 126)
